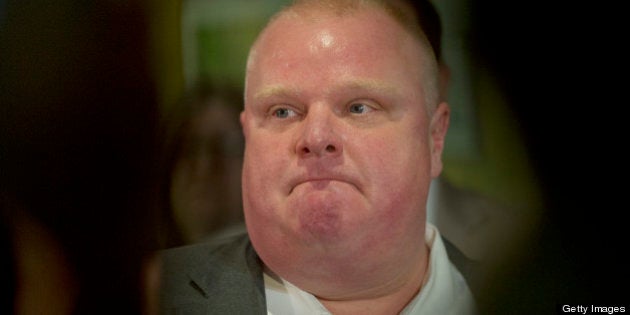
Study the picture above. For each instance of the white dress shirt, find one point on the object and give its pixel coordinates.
(444, 292)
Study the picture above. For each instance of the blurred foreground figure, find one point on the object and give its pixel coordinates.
(77, 136)
(344, 131)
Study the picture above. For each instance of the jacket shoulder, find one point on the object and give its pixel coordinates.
(469, 268)
(221, 275)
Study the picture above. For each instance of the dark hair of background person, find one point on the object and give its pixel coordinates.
(78, 121)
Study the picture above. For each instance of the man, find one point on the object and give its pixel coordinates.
(344, 131)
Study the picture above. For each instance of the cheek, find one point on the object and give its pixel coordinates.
(396, 164)
(264, 167)
(398, 172)
(265, 154)
(400, 207)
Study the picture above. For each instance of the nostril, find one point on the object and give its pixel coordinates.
(319, 150)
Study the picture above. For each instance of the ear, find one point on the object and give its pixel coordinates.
(439, 126)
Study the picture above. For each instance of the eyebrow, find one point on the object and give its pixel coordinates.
(275, 90)
(371, 85)
(380, 87)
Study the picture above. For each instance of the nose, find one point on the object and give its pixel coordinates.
(319, 137)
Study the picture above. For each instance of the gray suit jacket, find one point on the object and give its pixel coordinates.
(226, 277)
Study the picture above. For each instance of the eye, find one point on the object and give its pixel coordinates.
(283, 112)
(358, 108)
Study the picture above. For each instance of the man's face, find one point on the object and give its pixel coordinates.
(340, 149)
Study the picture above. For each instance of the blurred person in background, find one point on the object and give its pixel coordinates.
(204, 154)
(77, 159)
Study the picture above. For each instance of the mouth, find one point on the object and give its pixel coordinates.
(322, 182)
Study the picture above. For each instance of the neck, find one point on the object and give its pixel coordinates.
(390, 298)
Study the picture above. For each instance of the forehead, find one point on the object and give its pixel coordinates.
(333, 41)
(324, 29)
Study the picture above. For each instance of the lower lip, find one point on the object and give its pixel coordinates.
(320, 184)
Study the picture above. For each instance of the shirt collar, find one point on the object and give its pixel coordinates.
(444, 290)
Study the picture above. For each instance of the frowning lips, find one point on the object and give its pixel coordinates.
(323, 178)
